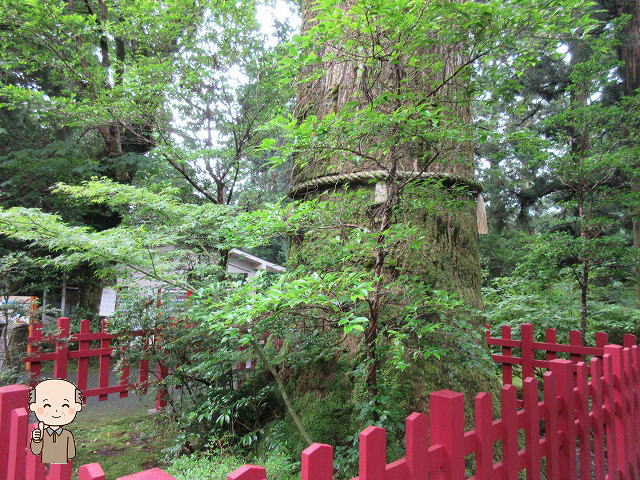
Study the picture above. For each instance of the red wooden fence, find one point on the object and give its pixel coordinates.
(18, 463)
(591, 415)
(547, 350)
(63, 355)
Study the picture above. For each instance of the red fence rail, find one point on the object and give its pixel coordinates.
(590, 412)
(62, 355)
(538, 354)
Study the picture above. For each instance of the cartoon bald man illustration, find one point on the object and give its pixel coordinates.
(55, 404)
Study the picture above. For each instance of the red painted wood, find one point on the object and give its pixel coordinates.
(34, 468)
(562, 370)
(157, 474)
(582, 409)
(483, 430)
(601, 339)
(105, 363)
(62, 349)
(532, 428)
(35, 365)
(83, 362)
(11, 397)
(416, 441)
(507, 372)
(60, 471)
(447, 429)
(92, 471)
(621, 434)
(373, 453)
(575, 339)
(628, 412)
(18, 443)
(551, 338)
(526, 349)
(609, 417)
(248, 472)
(635, 383)
(317, 462)
(597, 417)
(551, 427)
(509, 464)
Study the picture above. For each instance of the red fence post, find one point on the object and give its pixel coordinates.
(621, 440)
(575, 339)
(373, 453)
(17, 443)
(597, 404)
(62, 348)
(317, 462)
(526, 349)
(60, 471)
(507, 368)
(11, 397)
(83, 362)
(248, 472)
(563, 371)
(635, 382)
(105, 362)
(611, 427)
(34, 468)
(532, 427)
(582, 407)
(483, 427)
(417, 446)
(551, 426)
(447, 428)
(509, 404)
(92, 471)
(35, 365)
(550, 336)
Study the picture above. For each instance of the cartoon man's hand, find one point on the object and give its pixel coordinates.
(36, 435)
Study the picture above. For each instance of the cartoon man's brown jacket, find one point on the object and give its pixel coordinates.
(55, 446)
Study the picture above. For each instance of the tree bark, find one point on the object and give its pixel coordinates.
(630, 55)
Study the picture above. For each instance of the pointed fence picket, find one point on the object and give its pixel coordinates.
(581, 423)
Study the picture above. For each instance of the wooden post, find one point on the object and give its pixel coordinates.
(563, 371)
(532, 427)
(611, 427)
(83, 362)
(373, 454)
(447, 429)
(526, 344)
(617, 381)
(11, 398)
(317, 462)
(248, 472)
(62, 349)
(17, 443)
(483, 427)
(582, 407)
(551, 426)
(597, 407)
(416, 440)
(92, 471)
(507, 368)
(509, 404)
(105, 362)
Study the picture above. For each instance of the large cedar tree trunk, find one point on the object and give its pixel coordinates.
(447, 259)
